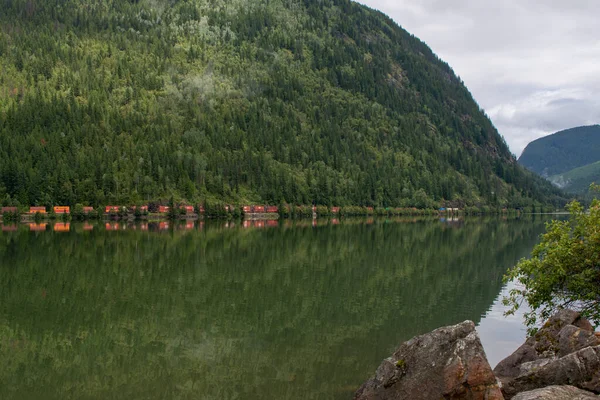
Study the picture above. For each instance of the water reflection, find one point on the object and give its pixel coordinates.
(212, 310)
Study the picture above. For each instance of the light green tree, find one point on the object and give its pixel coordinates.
(564, 269)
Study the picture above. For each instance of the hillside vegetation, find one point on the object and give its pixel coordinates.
(324, 102)
(578, 180)
(563, 151)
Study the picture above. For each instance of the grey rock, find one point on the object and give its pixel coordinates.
(572, 339)
(549, 343)
(448, 363)
(556, 393)
(580, 369)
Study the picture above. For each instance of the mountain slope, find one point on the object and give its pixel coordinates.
(300, 101)
(563, 151)
(578, 180)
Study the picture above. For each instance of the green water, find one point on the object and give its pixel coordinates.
(285, 312)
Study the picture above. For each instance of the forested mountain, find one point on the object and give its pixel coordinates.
(563, 151)
(304, 101)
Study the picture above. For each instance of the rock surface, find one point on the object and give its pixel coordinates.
(556, 393)
(448, 363)
(581, 369)
(566, 332)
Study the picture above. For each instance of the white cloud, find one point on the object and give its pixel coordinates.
(534, 66)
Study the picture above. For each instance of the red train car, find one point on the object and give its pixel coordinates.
(272, 209)
(247, 209)
(201, 209)
(259, 209)
(110, 209)
(10, 210)
(188, 209)
(164, 209)
(335, 210)
(62, 210)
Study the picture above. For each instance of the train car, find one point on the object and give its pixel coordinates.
(164, 209)
(35, 210)
(114, 209)
(259, 209)
(143, 209)
(247, 209)
(201, 209)
(62, 210)
(273, 209)
(10, 210)
(87, 210)
(335, 210)
(188, 209)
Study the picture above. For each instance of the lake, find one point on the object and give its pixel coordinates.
(242, 311)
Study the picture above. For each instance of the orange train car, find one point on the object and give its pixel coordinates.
(62, 227)
(62, 210)
(110, 209)
(35, 210)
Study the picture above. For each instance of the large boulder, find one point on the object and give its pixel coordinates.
(556, 393)
(581, 369)
(566, 332)
(448, 363)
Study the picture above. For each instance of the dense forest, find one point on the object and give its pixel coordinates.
(563, 151)
(302, 101)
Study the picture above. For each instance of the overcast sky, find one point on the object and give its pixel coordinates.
(533, 65)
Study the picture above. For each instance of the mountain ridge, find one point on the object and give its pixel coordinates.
(563, 151)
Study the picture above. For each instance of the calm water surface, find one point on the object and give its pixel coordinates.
(215, 312)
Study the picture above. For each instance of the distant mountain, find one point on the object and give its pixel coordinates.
(563, 151)
(578, 180)
(309, 101)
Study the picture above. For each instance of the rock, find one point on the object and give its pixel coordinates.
(564, 333)
(572, 339)
(448, 363)
(581, 369)
(556, 393)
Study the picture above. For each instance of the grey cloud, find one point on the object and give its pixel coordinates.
(532, 65)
